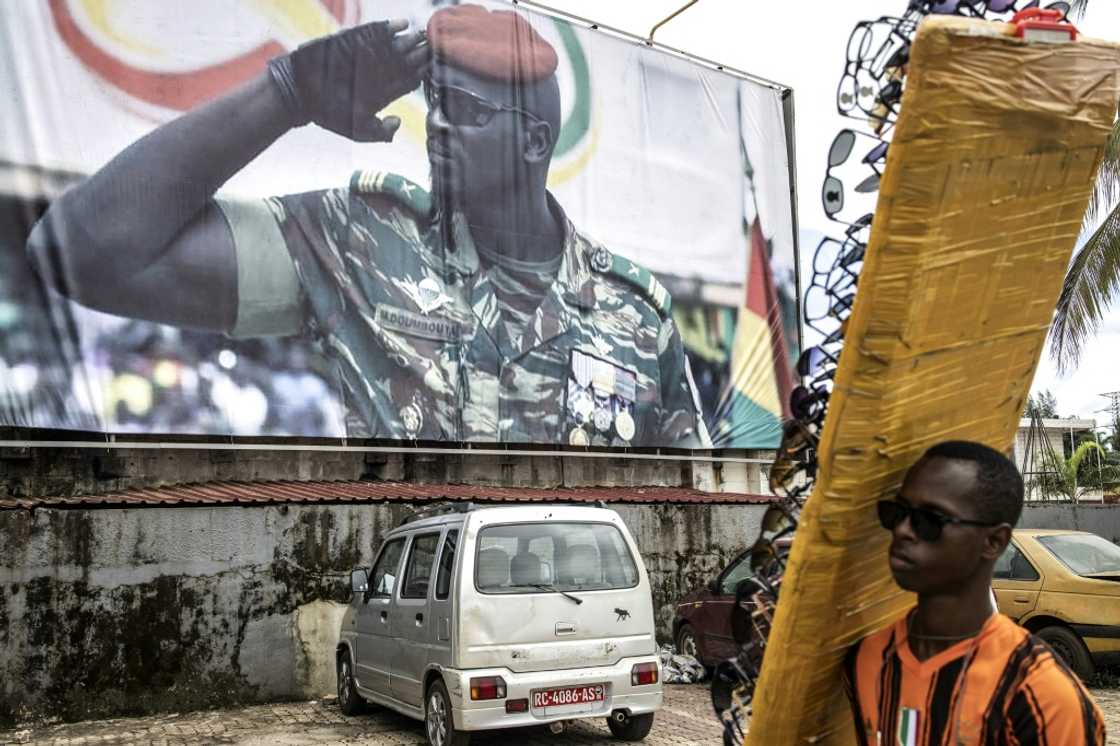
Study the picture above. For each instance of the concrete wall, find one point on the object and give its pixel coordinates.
(1103, 520)
(128, 611)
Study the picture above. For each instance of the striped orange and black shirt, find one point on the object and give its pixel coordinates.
(1002, 687)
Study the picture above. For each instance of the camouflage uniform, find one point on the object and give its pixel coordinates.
(416, 329)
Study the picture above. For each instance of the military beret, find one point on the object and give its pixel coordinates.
(498, 44)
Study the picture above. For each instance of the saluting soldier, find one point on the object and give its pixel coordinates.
(473, 311)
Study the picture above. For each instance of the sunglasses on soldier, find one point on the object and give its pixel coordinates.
(462, 108)
(927, 524)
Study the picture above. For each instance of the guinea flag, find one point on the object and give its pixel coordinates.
(751, 409)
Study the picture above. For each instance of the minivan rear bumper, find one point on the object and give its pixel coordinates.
(484, 715)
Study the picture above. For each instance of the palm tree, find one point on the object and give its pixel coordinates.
(1063, 478)
(1093, 280)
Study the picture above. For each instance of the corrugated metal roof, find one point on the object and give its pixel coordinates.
(252, 493)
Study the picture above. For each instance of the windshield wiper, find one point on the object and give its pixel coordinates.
(554, 589)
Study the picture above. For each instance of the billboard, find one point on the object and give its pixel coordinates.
(404, 220)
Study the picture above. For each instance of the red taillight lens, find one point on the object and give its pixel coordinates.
(488, 687)
(517, 705)
(643, 673)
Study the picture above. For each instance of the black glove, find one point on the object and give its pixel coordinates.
(341, 81)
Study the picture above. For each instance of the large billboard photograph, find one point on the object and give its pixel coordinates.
(403, 220)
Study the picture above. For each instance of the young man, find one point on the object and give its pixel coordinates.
(952, 671)
(475, 311)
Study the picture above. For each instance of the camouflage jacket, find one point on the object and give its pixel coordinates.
(412, 326)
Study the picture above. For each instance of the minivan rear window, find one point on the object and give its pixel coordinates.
(522, 557)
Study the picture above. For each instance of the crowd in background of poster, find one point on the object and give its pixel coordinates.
(670, 321)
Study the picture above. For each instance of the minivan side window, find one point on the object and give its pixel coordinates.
(446, 564)
(418, 570)
(384, 575)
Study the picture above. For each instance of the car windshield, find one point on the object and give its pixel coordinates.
(523, 557)
(1084, 554)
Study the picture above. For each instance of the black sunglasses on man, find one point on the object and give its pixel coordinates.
(927, 524)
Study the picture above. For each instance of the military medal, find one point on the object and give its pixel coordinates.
(581, 368)
(581, 405)
(626, 384)
(412, 419)
(578, 437)
(602, 377)
(624, 425)
(603, 418)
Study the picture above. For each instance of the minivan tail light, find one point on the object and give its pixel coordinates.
(488, 687)
(643, 673)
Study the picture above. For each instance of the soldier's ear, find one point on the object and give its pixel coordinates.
(537, 140)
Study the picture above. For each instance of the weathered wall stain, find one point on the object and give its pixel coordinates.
(130, 611)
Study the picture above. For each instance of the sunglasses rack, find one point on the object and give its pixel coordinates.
(870, 92)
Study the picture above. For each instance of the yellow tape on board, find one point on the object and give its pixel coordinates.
(987, 179)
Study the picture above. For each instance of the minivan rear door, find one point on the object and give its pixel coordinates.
(553, 595)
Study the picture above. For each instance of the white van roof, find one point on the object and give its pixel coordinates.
(481, 515)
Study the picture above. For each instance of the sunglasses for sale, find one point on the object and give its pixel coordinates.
(794, 457)
(463, 108)
(927, 524)
(875, 52)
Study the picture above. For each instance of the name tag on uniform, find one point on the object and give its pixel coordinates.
(418, 325)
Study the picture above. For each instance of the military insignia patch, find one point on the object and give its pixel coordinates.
(418, 325)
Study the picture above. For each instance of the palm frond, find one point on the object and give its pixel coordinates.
(1074, 461)
(1077, 8)
(1092, 283)
(1107, 189)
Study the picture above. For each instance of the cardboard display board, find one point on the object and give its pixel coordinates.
(987, 179)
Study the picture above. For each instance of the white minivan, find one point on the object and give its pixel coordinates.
(475, 618)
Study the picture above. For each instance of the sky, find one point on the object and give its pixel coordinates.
(761, 38)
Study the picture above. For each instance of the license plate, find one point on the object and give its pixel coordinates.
(569, 695)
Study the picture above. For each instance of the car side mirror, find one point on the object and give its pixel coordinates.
(713, 585)
(359, 581)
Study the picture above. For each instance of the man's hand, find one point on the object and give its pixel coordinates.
(342, 81)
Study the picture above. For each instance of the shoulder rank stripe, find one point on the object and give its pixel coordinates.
(407, 192)
(636, 275)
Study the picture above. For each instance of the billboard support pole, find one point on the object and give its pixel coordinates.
(676, 13)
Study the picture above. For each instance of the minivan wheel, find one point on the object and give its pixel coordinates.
(349, 701)
(438, 723)
(633, 728)
(1068, 645)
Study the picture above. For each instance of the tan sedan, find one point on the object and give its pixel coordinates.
(1064, 586)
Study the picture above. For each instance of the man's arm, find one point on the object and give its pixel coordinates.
(1052, 706)
(143, 238)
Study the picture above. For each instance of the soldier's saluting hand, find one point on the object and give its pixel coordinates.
(340, 82)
